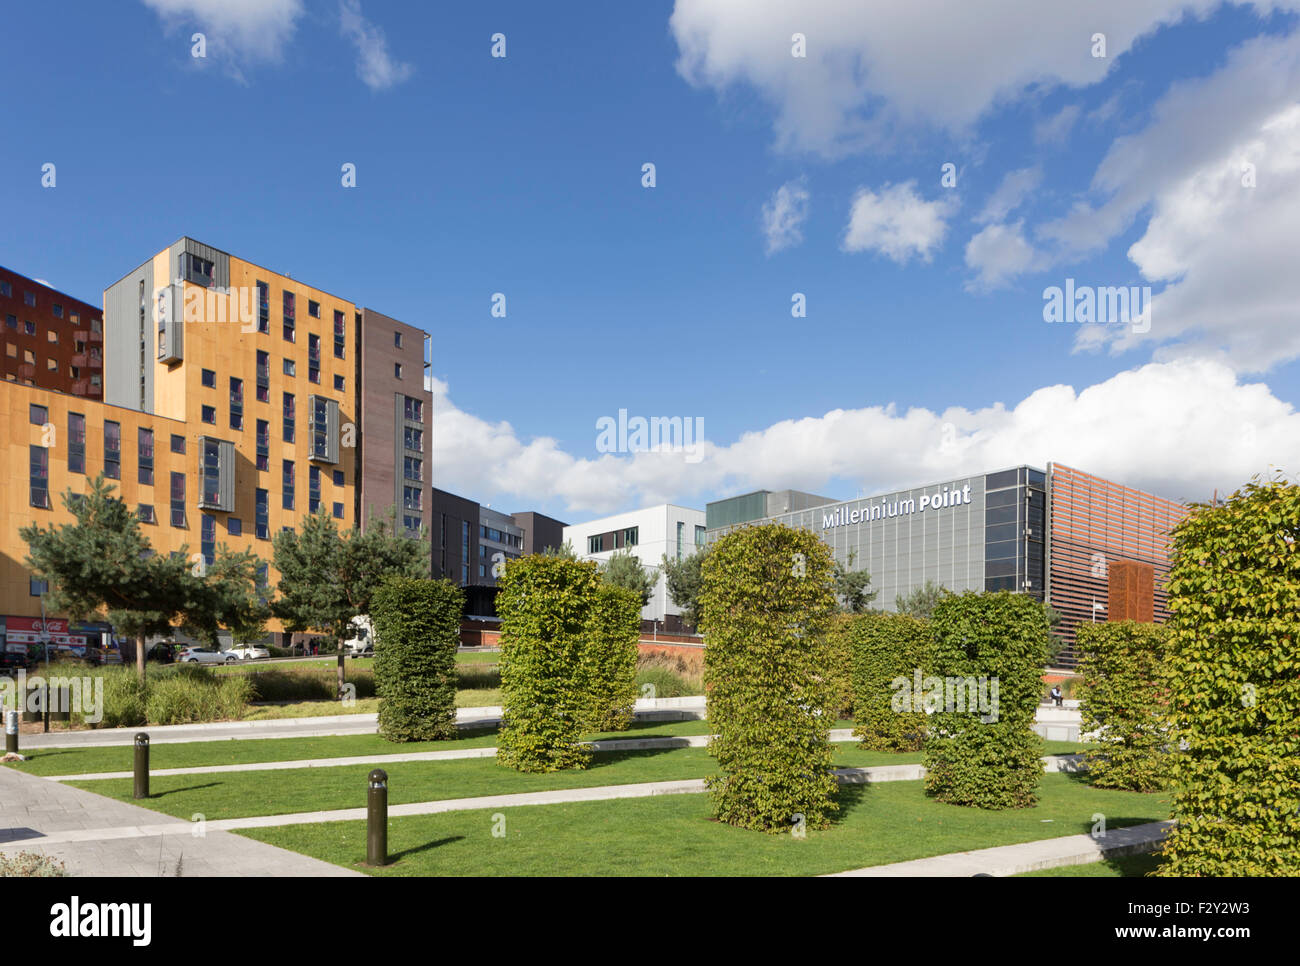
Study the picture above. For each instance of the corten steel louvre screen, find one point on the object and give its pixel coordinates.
(1096, 523)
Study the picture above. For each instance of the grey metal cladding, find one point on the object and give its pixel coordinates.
(220, 261)
(331, 453)
(123, 333)
(226, 483)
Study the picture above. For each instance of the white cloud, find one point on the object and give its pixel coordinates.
(871, 67)
(238, 32)
(784, 215)
(998, 254)
(375, 66)
(1180, 429)
(896, 222)
(1056, 129)
(1015, 187)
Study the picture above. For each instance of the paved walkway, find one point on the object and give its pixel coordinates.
(1028, 856)
(97, 836)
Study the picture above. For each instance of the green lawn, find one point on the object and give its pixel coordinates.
(1126, 866)
(674, 835)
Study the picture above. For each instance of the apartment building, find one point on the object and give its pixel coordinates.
(50, 339)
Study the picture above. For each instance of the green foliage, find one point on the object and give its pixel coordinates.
(544, 604)
(609, 657)
(886, 648)
(1234, 670)
(989, 640)
(623, 569)
(852, 587)
(921, 601)
(685, 581)
(417, 632)
(766, 609)
(327, 579)
(31, 865)
(838, 667)
(565, 550)
(1125, 694)
(193, 694)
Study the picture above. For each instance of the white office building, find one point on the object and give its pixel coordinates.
(649, 534)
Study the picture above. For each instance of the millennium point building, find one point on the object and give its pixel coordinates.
(237, 401)
(1065, 537)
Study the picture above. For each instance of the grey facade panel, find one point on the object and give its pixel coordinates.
(129, 340)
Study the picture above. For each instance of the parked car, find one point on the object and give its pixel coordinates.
(205, 655)
(250, 652)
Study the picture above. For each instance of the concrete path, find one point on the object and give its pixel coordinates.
(1028, 856)
(97, 836)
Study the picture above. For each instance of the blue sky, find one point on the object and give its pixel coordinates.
(924, 352)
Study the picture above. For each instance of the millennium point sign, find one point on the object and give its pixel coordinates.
(896, 507)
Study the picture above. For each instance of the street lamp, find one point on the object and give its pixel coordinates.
(1096, 607)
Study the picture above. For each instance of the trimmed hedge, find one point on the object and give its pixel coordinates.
(766, 608)
(544, 604)
(888, 650)
(609, 658)
(1234, 664)
(1125, 697)
(987, 640)
(417, 632)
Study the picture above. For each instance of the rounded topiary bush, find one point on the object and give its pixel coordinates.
(887, 651)
(609, 658)
(545, 605)
(1125, 699)
(766, 608)
(988, 656)
(417, 633)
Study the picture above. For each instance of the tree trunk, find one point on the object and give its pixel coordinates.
(139, 656)
(340, 664)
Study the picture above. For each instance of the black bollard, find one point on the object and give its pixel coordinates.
(11, 731)
(141, 765)
(377, 818)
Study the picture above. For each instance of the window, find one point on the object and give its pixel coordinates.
(287, 484)
(51, 336)
(6, 290)
(263, 444)
(208, 538)
(57, 309)
(313, 358)
(338, 510)
(51, 365)
(411, 497)
(29, 357)
(198, 269)
(290, 367)
(29, 328)
(412, 468)
(288, 417)
(340, 335)
(37, 587)
(313, 309)
(313, 489)
(413, 409)
(261, 515)
(236, 403)
(209, 379)
(211, 473)
(630, 536)
(263, 309)
(413, 439)
(338, 477)
(145, 512)
(596, 544)
(699, 536)
(29, 298)
(76, 443)
(289, 333)
(11, 321)
(339, 384)
(263, 376)
(208, 414)
(397, 339)
(39, 476)
(144, 443)
(178, 499)
(112, 450)
(234, 526)
(178, 443)
(38, 415)
(397, 370)
(681, 531)
(411, 523)
(11, 350)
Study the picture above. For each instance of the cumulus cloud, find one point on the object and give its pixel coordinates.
(1016, 186)
(998, 254)
(1180, 429)
(784, 214)
(239, 32)
(375, 65)
(873, 67)
(896, 222)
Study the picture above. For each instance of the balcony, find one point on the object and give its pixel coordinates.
(81, 387)
(27, 371)
(81, 360)
(96, 361)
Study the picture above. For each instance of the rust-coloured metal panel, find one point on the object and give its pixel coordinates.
(1131, 592)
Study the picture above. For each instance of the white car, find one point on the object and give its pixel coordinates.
(250, 652)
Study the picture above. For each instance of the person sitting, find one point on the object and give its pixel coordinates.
(1057, 697)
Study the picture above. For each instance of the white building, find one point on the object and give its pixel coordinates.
(649, 534)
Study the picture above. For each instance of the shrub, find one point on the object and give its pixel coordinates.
(609, 658)
(543, 603)
(1125, 698)
(194, 694)
(660, 682)
(670, 674)
(306, 682)
(886, 648)
(996, 642)
(765, 609)
(838, 668)
(32, 865)
(1234, 666)
(417, 632)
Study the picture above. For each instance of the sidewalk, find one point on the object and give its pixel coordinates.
(97, 836)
